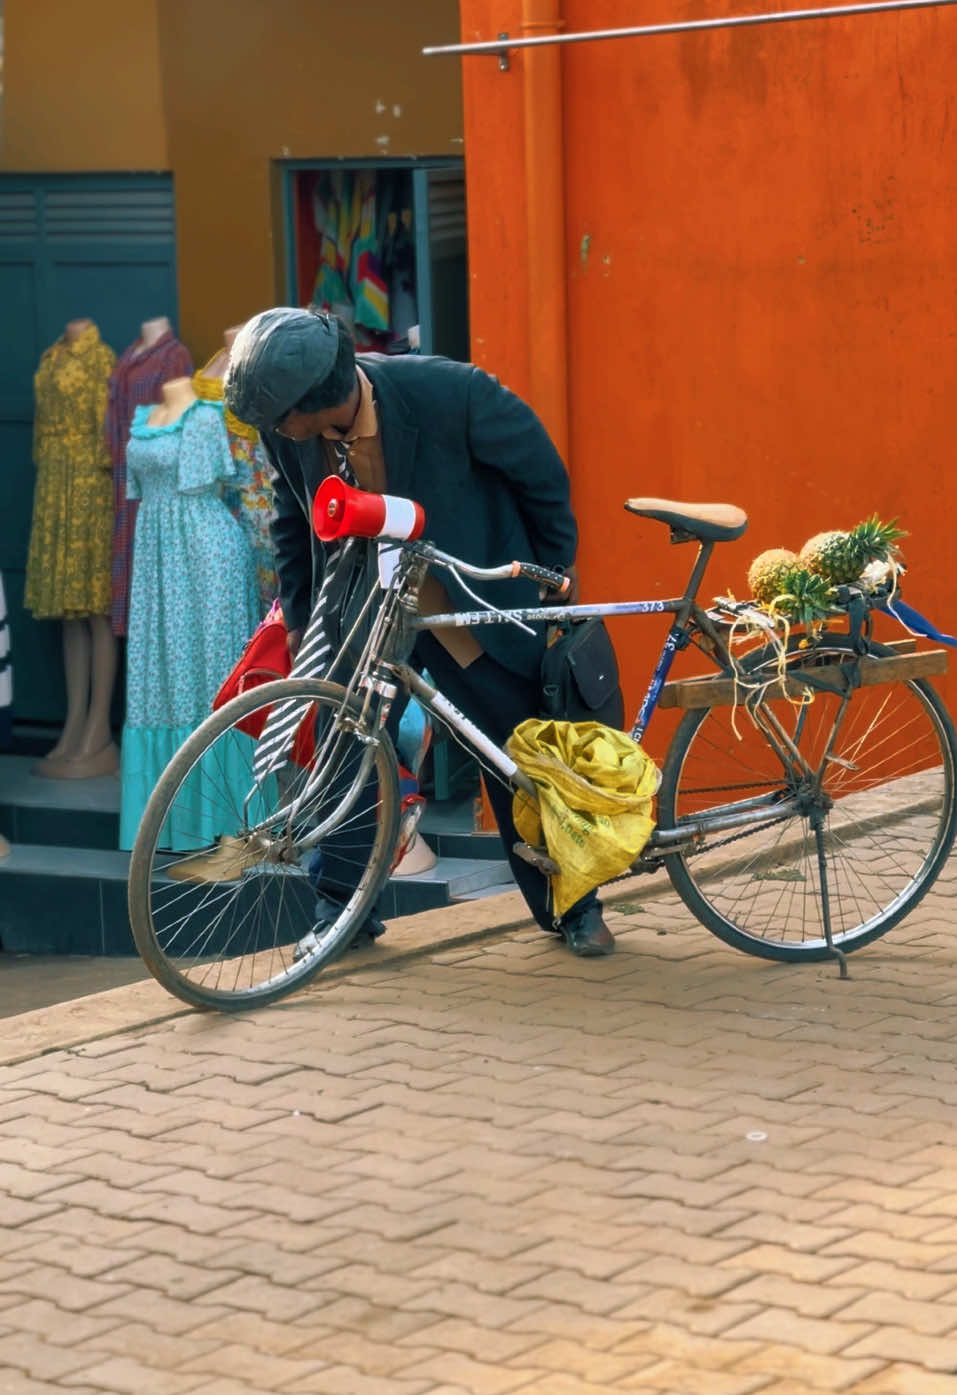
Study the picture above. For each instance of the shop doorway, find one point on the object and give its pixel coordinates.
(383, 244)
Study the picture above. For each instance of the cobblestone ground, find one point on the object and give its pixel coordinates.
(499, 1169)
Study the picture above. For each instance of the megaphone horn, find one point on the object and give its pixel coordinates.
(339, 511)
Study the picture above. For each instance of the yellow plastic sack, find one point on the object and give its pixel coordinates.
(595, 790)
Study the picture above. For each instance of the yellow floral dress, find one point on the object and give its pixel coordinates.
(68, 563)
(250, 499)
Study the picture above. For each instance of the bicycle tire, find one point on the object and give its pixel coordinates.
(240, 946)
(738, 888)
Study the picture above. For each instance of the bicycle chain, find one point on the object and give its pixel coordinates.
(745, 833)
(724, 842)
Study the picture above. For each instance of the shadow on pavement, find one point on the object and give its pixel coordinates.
(30, 981)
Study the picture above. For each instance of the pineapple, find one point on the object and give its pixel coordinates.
(804, 597)
(840, 557)
(766, 572)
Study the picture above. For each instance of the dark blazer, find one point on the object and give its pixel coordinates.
(478, 460)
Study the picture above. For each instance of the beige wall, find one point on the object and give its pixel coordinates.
(217, 92)
(82, 87)
(254, 81)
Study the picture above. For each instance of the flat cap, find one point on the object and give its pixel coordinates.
(275, 359)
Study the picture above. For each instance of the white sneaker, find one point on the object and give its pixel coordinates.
(305, 947)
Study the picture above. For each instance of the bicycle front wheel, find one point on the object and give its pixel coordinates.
(873, 802)
(227, 918)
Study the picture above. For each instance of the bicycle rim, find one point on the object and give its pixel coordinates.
(226, 865)
(886, 814)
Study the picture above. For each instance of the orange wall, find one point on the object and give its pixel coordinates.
(81, 87)
(760, 229)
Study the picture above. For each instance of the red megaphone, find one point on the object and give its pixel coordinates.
(339, 511)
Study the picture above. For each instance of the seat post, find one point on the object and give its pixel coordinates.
(705, 550)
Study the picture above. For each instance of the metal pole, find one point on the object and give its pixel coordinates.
(503, 44)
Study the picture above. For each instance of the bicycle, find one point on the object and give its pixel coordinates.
(807, 799)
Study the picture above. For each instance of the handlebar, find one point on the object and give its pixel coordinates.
(552, 581)
(545, 576)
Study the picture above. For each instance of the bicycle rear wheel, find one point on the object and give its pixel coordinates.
(882, 792)
(232, 924)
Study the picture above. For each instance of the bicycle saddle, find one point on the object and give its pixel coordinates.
(707, 522)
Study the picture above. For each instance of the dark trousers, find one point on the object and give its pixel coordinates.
(496, 700)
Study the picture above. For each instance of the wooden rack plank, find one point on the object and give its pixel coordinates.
(715, 691)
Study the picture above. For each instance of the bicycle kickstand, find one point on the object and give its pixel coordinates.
(537, 857)
(836, 953)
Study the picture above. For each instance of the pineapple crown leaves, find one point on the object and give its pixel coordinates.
(840, 556)
(804, 596)
(875, 540)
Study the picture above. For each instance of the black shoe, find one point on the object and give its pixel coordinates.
(587, 935)
(368, 932)
(326, 912)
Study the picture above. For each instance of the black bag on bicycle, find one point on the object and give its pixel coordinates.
(579, 676)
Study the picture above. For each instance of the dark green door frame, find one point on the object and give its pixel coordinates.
(420, 169)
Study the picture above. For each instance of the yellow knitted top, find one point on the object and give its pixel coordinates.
(211, 390)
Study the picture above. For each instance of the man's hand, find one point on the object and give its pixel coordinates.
(569, 596)
(293, 641)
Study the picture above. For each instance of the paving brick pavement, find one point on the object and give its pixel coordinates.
(487, 1167)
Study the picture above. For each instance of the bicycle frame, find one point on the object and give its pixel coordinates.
(380, 673)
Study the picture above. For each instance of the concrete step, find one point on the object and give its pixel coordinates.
(68, 813)
(86, 813)
(69, 900)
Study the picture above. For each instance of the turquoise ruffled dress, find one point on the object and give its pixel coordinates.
(193, 605)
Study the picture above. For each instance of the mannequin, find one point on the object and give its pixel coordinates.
(68, 565)
(192, 603)
(151, 332)
(176, 396)
(249, 496)
(216, 367)
(89, 662)
(151, 360)
(86, 747)
(74, 328)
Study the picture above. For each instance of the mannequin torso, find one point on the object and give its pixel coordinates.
(75, 328)
(178, 394)
(216, 367)
(151, 331)
(249, 496)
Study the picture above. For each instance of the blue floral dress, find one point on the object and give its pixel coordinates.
(193, 605)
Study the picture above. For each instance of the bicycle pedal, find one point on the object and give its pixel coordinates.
(538, 858)
(844, 764)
